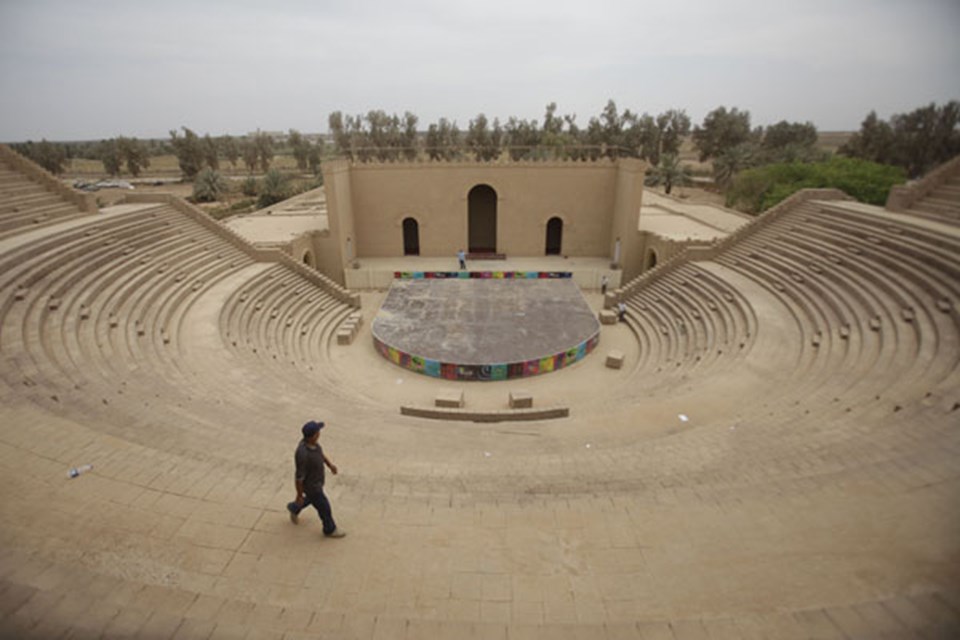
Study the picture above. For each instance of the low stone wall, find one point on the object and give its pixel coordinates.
(86, 202)
(902, 197)
(260, 255)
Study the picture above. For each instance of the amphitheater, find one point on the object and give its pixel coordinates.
(776, 458)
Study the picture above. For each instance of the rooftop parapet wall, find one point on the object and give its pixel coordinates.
(708, 252)
(86, 202)
(260, 255)
(472, 163)
(903, 196)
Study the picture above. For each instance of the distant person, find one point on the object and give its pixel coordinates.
(622, 311)
(462, 257)
(310, 461)
(604, 281)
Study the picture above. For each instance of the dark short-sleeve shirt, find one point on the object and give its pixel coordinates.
(310, 470)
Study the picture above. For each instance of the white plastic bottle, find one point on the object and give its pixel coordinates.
(76, 471)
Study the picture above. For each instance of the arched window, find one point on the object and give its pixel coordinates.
(308, 259)
(554, 236)
(482, 219)
(411, 237)
(651, 260)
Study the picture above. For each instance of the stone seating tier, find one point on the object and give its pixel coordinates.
(278, 314)
(179, 531)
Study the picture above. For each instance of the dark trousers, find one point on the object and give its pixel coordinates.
(322, 505)
(463, 264)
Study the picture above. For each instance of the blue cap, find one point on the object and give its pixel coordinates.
(311, 428)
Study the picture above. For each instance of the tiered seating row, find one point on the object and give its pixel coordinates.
(877, 308)
(282, 320)
(690, 319)
(106, 278)
(97, 311)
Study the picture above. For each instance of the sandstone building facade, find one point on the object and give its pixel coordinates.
(518, 208)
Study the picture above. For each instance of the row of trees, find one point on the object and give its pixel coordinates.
(758, 172)
(380, 136)
(917, 141)
(55, 156)
(119, 152)
(375, 136)
(49, 155)
(257, 152)
(727, 139)
(193, 152)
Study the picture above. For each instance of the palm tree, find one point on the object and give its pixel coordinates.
(730, 162)
(670, 172)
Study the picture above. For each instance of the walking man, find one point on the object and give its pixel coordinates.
(622, 311)
(310, 462)
(462, 257)
(603, 284)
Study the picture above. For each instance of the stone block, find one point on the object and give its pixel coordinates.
(451, 399)
(344, 336)
(520, 400)
(608, 316)
(615, 359)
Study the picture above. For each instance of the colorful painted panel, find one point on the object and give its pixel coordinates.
(480, 275)
(487, 372)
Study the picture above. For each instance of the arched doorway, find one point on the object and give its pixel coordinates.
(651, 261)
(554, 236)
(411, 237)
(482, 219)
(308, 259)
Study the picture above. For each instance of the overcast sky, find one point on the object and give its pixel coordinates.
(86, 69)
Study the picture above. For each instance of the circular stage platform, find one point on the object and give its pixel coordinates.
(484, 325)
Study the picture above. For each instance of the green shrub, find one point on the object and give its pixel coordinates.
(756, 190)
(249, 187)
(225, 211)
(209, 186)
(275, 188)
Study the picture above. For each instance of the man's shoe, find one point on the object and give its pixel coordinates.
(337, 533)
(294, 517)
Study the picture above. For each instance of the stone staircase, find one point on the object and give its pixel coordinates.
(942, 203)
(935, 196)
(30, 197)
